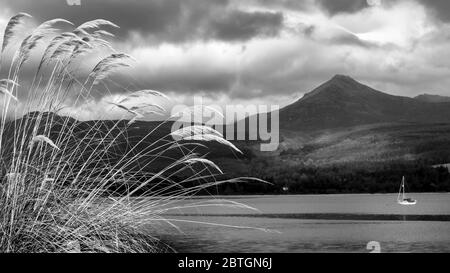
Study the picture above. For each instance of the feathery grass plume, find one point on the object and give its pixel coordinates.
(32, 41)
(138, 111)
(144, 111)
(96, 24)
(136, 114)
(81, 33)
(107, 65)
(47, 26)
(211, 137)
(100, 33)
(91, 40)
(103, 43)
(72, 186)
(81, 48)
(41, 139)
(195, 130)
(205, 162)
(66, 48)
(149, 105)
(145, 93)
(96, 38)
(26, 46)
(52, 46)
(69, 35)
(15, 21)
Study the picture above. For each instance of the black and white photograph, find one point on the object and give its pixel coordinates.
(245, 127)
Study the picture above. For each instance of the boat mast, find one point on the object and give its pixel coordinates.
(403, 187)
(400, 190)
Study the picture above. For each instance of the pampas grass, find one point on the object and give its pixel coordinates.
(11, 26)
(59, 177)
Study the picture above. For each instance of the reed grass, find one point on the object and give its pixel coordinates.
(58, 176)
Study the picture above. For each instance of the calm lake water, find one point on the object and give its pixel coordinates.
(314, 223)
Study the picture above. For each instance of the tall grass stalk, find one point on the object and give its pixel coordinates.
(59, 177)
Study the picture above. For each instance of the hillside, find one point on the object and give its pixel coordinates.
(342, 132)
(343, 102)
(432, 98)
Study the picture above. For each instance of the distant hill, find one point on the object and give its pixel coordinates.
(343, 136)
(343, 102)
(432, 98)
(344, 121)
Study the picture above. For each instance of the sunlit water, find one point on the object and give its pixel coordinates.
(315, 223)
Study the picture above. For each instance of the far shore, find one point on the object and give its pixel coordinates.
(243, 196)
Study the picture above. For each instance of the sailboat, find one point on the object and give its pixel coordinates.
(401, 198)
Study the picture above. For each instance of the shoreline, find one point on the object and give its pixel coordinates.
(334, 216)
(241, 196)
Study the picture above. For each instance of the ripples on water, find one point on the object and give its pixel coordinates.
(333, 223)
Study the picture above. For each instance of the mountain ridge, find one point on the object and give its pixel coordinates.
(432, 98)
(345, 102)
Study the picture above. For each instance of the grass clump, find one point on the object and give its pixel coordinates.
(71, 186)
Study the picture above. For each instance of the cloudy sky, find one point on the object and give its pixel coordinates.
(269, 51)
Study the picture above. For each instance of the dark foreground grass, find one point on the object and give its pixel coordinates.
(58, 181)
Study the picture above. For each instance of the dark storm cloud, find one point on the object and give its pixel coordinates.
(154, 17)
(289, 4)
(441, 8)
(239, 25)
(334, 7)
(161, 20)
(174, 41)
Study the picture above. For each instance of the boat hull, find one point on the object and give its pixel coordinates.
(407, 203)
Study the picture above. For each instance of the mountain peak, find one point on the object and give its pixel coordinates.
(343, 102)
(340, 77)
(338, 84)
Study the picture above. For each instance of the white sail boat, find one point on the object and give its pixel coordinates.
(401, 198)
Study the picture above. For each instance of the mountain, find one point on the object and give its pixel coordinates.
(432, 98)
(343, 136)
(343, 102)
